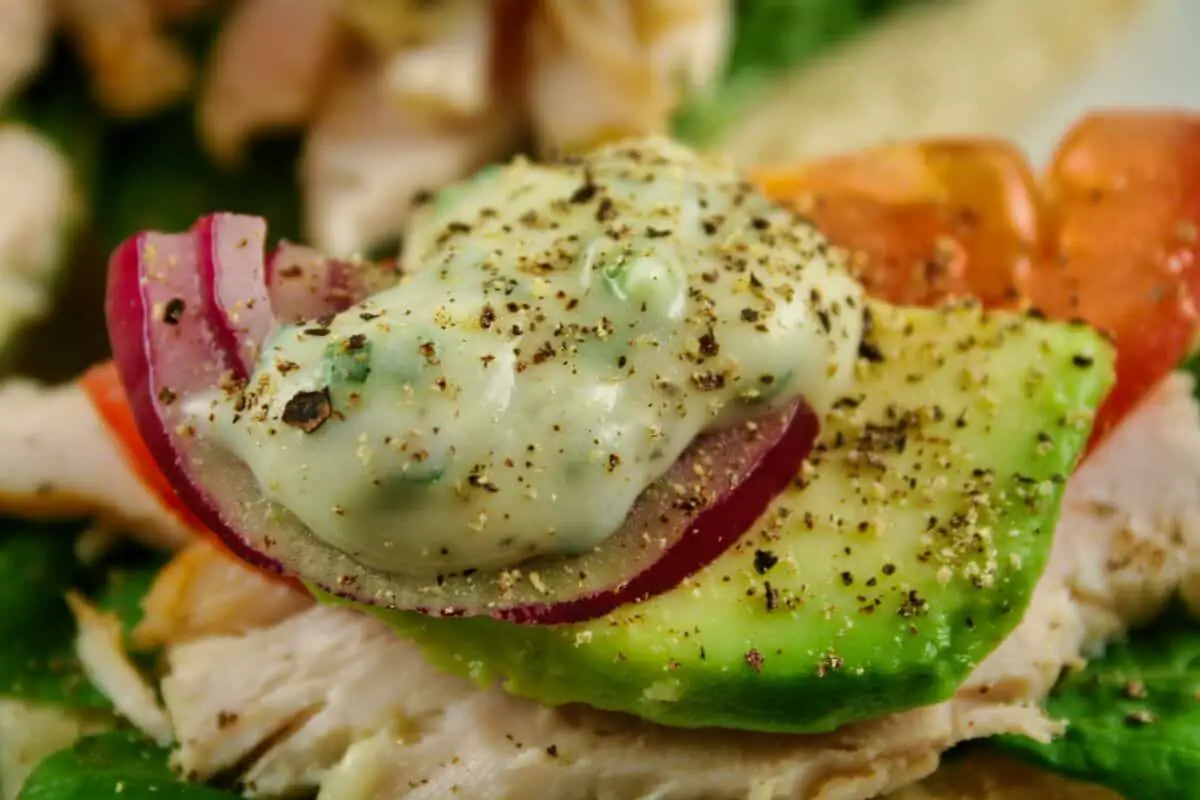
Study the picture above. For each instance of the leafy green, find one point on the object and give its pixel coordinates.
(1192, 367)
(37, 567)
(1133, 716)
(771, 37)
(112, 765)
(775, 35)
(37, 662)
(126, 583)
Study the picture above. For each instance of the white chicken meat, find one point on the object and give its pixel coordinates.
(39, 209)
(265, 71)
(367, 158)
(602, 69)
(58, 460)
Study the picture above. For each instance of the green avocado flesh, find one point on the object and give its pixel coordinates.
(905, 552)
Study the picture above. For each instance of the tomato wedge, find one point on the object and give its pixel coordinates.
(925, 221)
(1109, 238)
(1124, 250)
(104, 389)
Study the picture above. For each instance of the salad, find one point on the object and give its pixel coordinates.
(640, 474)
(326, 117)
(615, 470)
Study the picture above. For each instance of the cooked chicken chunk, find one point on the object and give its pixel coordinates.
(330, 698)
(58, 460)
(367, 158)
(29, 732)
(605, 69)
(133, 65)
(439, 89)
(204, 592)
(99, 645)
(25, 27)
(451, 70)
(265, 71)
(38, 211)
(327, 678)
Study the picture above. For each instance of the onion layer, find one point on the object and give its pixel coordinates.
(188, 313)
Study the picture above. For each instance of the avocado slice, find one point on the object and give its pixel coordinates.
(906, 550)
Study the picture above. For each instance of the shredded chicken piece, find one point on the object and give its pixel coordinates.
(38, 211)
(603, 69)
(25, 27)
(331, 698)
(442, 88)
(450, 73)
(58, 460)
(265, 71)
(134, 67)
(331, 677)
(101, 651)
(203, 592)
(389, 25)
(367, 157)
(688, 39)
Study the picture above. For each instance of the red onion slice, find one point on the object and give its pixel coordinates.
(754, 464)
(305, 284)
(232, 275)
(169, 314)
(165, 349)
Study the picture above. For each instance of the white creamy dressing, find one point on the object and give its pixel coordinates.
(571, 329)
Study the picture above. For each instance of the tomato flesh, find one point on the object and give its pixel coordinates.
(927, 221)
(104, 389)
(1109, 238)
(1124, 253)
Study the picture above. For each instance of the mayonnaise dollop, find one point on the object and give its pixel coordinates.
(567, 331)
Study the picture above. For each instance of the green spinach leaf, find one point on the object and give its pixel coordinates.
(119, 765)
(1133, 716)
(37, 660)
(38, 566)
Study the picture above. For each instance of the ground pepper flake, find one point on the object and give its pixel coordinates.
(308, 411)
(173, 311)
(764, 560)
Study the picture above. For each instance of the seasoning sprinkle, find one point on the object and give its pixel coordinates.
(308, 411)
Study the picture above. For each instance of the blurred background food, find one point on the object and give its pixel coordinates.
(328, 116)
